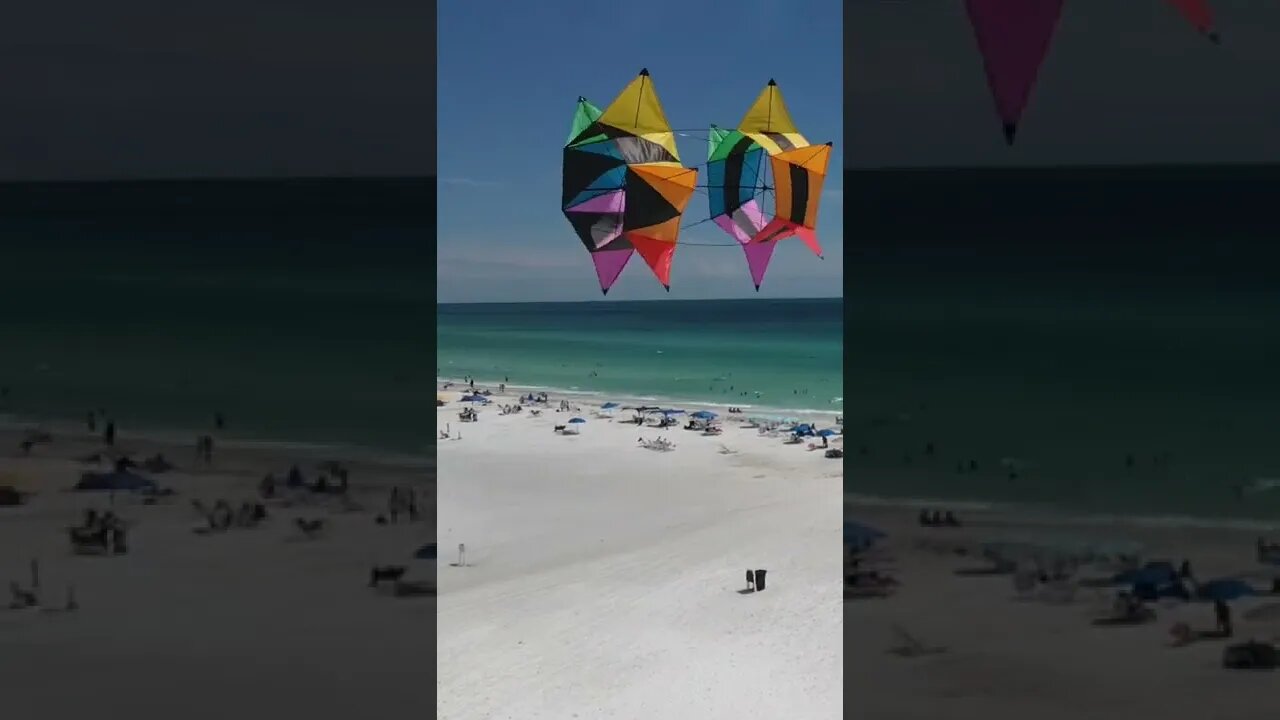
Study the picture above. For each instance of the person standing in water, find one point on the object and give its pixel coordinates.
(219, 420)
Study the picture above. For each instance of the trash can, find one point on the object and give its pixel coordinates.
(760, 580)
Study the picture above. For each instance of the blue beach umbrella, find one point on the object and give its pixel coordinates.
(704, 415)
(609, 406)
(576, 421)
(827, 433)
(1225, 589)
(860, 537)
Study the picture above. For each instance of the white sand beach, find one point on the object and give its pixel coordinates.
(603, 580)
(1011, 656)
(250, 622)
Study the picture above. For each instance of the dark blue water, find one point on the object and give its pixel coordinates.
(301, 313)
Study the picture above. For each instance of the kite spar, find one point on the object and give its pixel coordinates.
(735, 171)
(624, 187)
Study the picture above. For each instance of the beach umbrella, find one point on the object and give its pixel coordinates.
(704, 415)
(576, 421)
(1225, 589)
(672, 412)
(609, 406)
(860, 537)
(827, 433)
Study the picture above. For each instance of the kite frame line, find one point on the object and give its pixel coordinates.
(765, 189)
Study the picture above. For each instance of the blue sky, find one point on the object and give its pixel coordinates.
(509, 77)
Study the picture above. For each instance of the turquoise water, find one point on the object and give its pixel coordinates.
(1070, 374)
(779, 354)
(308, 329)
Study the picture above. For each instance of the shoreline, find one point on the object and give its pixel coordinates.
(185, 437)
(1060, 516)
(824, 418)
(592, 545)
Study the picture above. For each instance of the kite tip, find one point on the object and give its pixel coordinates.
(604, 291)
(1010, 130)
(581, 99)
(644, 72)
(757, 288)
(772, 83)
(829, 144)
(668, 287)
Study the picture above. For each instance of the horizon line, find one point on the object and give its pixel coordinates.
(1074, 166)
(605, 300)
(214, 179)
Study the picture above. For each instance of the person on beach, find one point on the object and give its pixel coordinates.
(462, 555)
(413, 505)
(219, 420)
(393, 504)
(1222, 612)
(751, 580)
(109, 434)
(267, 488)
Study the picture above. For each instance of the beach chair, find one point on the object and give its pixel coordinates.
(311, 529)
(90, 541)
(21, 598)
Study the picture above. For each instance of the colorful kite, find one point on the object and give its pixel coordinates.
(1014, 36)
(735, 171)
(624, 187)
(1198, 12)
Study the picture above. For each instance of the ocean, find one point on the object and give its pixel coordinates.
(774, 356)
(299, 309)
(1113, 333)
